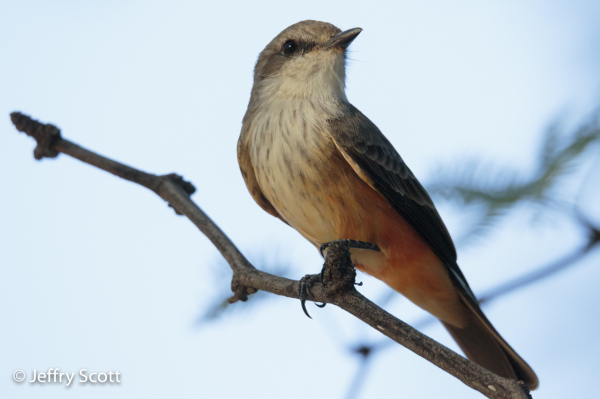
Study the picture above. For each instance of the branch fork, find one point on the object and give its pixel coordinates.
(240, 292)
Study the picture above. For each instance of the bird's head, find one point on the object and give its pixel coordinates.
(305, 60)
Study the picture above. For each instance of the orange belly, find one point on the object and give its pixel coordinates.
(341, 205)
(406, 263)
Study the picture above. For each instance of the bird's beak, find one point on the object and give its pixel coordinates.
(342, 40)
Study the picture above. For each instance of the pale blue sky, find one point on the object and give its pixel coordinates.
(98, 273)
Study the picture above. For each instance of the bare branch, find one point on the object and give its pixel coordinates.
(338, 289)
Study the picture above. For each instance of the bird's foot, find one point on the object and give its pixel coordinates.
(337, 270)
(350, 244)
(304, 287)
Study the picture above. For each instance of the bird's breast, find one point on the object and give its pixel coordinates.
(298, 168)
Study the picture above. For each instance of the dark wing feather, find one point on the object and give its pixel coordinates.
(360, 140)
(376, 161)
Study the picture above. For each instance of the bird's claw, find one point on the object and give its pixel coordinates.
(303, 287)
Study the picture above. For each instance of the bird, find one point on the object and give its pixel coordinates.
(313, 160)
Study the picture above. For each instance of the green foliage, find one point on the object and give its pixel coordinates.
(494, 192)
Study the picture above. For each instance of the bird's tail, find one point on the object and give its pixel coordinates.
(481, 343)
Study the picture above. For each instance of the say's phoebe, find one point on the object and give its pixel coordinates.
(313, 160)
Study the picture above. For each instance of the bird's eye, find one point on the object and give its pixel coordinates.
(289, 47)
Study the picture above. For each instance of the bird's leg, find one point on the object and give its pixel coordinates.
(347, 244)
(307, 281)
(351, 244)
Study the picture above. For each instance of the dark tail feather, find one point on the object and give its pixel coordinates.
(481, 343)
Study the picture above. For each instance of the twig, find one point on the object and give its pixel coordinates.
(247, 279)
(537, 275)
(362, 371)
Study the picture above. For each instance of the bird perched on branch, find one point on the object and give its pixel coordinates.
(313, 160)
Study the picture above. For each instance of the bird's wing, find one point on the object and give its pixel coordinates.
(376, 161)
(250, 178)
